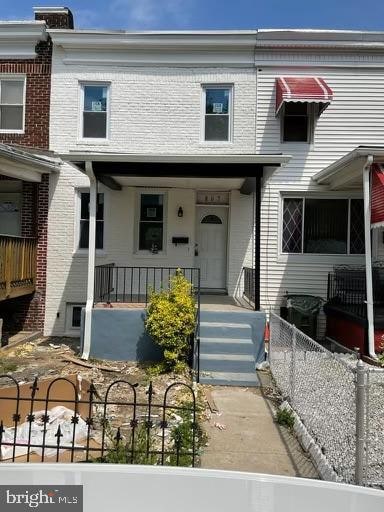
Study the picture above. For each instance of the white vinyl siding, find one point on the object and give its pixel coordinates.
(355, 117)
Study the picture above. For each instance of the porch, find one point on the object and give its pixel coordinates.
(24, 191)
(17, 266)
(355, 300)
(194, 212)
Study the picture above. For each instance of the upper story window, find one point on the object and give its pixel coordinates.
(95, 99)
(296, 122)
(12, 104)
(84, 221)
(151, 222)
(217, 113)
(300, 100)
(323, 226)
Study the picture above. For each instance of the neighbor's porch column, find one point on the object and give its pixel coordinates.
(91, 260)
(368, 255)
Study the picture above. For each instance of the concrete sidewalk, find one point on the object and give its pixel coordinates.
(250, 439)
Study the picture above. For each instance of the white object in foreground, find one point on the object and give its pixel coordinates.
(116, 488)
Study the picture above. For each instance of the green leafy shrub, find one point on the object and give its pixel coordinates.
(186, 436)
(285, 417)
(171, 320)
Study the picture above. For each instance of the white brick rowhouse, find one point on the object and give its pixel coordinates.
(155, 108)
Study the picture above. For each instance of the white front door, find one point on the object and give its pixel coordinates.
(211, 246)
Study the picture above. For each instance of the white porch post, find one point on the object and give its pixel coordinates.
(91, 260)
(368, 255)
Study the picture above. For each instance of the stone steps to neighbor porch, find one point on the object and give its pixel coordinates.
(227, 348)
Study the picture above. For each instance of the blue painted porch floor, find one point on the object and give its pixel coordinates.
(231, 343)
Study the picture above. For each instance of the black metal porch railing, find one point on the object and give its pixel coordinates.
(249, 284)
(135, 284)
(347, 290)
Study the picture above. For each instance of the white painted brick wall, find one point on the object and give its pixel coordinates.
(153, 110)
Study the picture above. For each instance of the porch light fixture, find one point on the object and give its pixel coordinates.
(180, 212)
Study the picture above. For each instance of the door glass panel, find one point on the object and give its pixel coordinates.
(211, 219)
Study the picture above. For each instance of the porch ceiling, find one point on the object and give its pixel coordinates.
(347, 172)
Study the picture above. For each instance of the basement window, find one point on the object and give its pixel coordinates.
(73, 317)
(12, 105)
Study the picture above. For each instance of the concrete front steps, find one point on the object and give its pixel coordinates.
(229, 347)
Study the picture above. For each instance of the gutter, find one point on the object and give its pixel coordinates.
(91, 261)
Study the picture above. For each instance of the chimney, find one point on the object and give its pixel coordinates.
(55, 17)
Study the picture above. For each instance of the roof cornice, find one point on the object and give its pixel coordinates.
(18, 39)
(230, 48)
(87, 39)
(319, 39)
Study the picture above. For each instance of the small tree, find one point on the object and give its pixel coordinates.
(171, 320)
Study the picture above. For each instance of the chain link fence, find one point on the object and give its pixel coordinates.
(321, 387)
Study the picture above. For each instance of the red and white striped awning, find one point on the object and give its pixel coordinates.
(377, 195)
(303, 89)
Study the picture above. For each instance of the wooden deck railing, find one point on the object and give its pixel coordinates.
(17, 266)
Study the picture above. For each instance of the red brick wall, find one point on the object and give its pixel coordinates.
(28, 210)
(28, 312)
(56, 20)
(38, 88)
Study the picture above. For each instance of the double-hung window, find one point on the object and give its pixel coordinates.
(95, 106)
(151, 222)
(322, 226)
(217, 113)
(12, 104)
(84, 221)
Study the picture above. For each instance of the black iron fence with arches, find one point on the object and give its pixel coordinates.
(119, 427)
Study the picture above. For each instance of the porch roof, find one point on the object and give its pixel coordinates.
(347, 172)
(26, 164)
(229, 171)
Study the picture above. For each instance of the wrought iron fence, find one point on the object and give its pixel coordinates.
(347, 290)
(337, 397)
(135, 284)
(249, 284)
(118, 427)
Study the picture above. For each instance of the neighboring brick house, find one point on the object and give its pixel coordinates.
(25, 86)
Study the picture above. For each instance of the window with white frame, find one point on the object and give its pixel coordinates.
(217, 112)
(322, 226)
(12, 104)
(151, 222)
(84, 221)
(95, 99)
(73, 317)
(297, 122)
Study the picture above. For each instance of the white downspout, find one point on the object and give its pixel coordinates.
(91, 260)
(368, 255)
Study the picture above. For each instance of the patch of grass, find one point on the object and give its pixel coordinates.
(285, 418)
(7, 366)
(120, 452)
